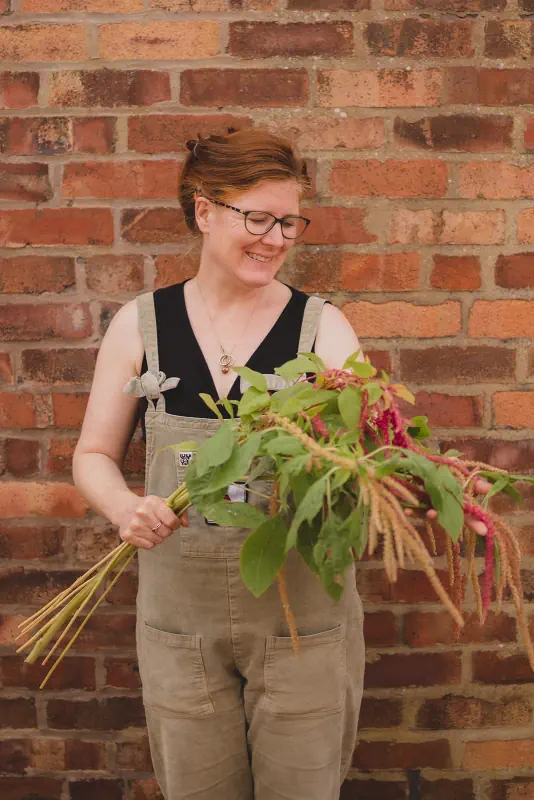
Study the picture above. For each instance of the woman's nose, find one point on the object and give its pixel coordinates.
(274, 236)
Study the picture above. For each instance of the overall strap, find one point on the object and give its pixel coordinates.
(310, 323)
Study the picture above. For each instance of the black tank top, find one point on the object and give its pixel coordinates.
(180, 355)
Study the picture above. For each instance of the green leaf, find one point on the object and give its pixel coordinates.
(285, 445)
(253, 400)
(403, 392)
(319, 363)
(341, 476)
(293, 369)
(248, 451)
(263, 465)
(210, 402)
(238, 515)
(289, 468)
(418, 427)
(256, 379)
(373, 390)
(350, 406)
(305, 400)
(216, 450)
(364, 369)
(498, 486)
(307, 509)
(263, 555)
(358, 529)
(228, 406)
(189, 444)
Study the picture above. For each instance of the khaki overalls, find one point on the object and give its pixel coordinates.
(231, 713)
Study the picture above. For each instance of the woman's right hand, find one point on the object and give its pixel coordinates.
(139, 521)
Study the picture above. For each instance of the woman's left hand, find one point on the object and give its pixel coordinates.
(480, 486)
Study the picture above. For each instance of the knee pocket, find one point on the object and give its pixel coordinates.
(173, 674)
(312, 683)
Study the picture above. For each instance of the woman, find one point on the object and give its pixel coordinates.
(231, 713)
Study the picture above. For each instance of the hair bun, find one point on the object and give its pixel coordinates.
(190, 144)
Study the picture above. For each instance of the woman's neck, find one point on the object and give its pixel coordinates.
(222, 292)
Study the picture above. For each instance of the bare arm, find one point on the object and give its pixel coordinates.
(107, 428)
(336, 339)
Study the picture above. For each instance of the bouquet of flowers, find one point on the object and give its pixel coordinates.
(350, 475)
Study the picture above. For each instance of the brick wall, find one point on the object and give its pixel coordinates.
(417, 120)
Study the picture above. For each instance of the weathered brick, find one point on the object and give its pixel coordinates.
(513, 788)
(95, 6)
(384, 88)
(106, 714)
(412, 586)
(41, 499)
(270, 39)
(446, 5)
(23, 322)
(19, 43)
(380, 629)
(449, 411)
(529, 133)
(36, 274)
(381, 272)
(510, 753)
(109, 88)
(416, 38)
(494, 667)
(514, 456)
(426, 226)
(115, 273)
(503, 319)
(380, 713)
(134, 755)
(93, 135)
(337, 225)
(22, 410)
(458, 364)
(402, 755)
(22, 457)
(122, 673)
(25, 182)
(6, 368)
(495, 180)
(525, 226)
(455, 711)
(175, 268)
(74, 672)
(103, 788)
(328, 5)
(317, 132)
(413, 669)
(394, 319)
(372, 790)
(508, 38)
(17, 713)
(60, 226)
(314, 270)
(455, 273)
(25, 136)
(445, 789)
(167, 133)
(244, 87)
(456, 132)
(427, 629)
(69, 409)
(15, 755)
(515, 271)
(24, 788)
(161, 40)
(514, 409)
(59, 366)
(145, 789)
(389, 178)
(31, 542)
(18, 89)
(135, 180)
(153, 225)
(489, 87)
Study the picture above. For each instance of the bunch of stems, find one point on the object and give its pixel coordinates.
(80, 600)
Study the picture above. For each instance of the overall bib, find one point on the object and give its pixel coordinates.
(231, 713)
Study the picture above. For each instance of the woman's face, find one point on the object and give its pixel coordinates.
(250, 258)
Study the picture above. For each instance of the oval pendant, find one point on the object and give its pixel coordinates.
(226, 362)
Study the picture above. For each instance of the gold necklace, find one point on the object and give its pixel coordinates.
(226, 360)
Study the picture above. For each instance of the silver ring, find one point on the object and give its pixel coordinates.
(158, 526)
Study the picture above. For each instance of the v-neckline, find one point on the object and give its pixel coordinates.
(203, 359)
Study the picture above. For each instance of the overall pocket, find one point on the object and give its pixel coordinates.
(172, 672)
(312, 683)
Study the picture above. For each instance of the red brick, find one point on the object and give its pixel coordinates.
(74, 672)
(449, 411)
(496, 179)
(23, 322)
(106, 714)
(318, 132)
(380, 629)
(384, 88)
(22, 457)
(60, 454)
(122, 673)
(314, 270)
(337, 225)
(159, 40)
(252, 88)
(96, 6)
(104, 788)
(489, 86)
(18, 89)
(15, 755)
(269, 39)
(146, 789)
(17, 713)
(93, 135)
(526, 537)
(426, 226)
(412, 586)
(427, 629)
(23, 788)
(6, 368)
(458, 364)
(175, 268)
(109, 88)
(25, 182)
(60, 226)
(456, 132)
(515, 271)
(381, 272)
(107, 312)
(514, 409)
(134, 755)
(494, 667)
(36, 42)
(59, 366)
(380, 713)
(446, 5)
(84, 755)
(503, 319)
(455, 273)
(90, 542)
(124, 592)
(153, 225)
(167, 133)
(31, 542)
(529, 133)
(526, 5)
(36, 274)
(513, 788)
(20, 585)
(394, 319)
(109, 631)
(418, 38)
(26, 136)
(445, 789)
(393, 670)
(372, 790)
(454, 711)
(41, 499)
(514, 456)
(115, 273)
(373, 178)
(381, 755)
(508, 39)
(135, 180)
(525, 227)
(328, 5)
(69, 409)
(510, 753)
(23, 410)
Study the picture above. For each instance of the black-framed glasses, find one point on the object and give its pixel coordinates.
(260, 222)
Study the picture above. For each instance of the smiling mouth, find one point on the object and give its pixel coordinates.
(257, 257)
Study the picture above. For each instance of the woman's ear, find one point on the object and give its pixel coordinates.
(202, 212)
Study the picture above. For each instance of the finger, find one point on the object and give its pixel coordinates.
(138, 541)
(184, 519)
(163, 513)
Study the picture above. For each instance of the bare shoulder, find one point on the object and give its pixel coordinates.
(336, 338)
(123, 337)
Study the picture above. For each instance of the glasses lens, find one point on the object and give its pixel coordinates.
(259, 222)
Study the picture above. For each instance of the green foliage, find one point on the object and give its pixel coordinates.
(350, 406)
(263, 555)
(256, 379)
